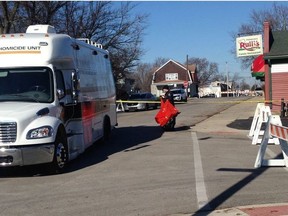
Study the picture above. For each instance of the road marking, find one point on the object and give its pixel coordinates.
(201, 194)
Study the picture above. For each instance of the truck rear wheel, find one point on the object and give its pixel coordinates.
(106, 130)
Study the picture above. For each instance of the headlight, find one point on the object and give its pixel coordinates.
(42, 132)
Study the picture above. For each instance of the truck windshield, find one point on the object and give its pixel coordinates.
(26, 84)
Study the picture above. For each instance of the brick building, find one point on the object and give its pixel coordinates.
(175, 75)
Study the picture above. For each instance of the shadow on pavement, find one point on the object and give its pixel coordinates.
(181, 128)
(241, 124)
(225, 195)
(122, 139)
(245, 124)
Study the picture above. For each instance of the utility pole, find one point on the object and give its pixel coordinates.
(187, 68)
(227, 83)
(187, 82)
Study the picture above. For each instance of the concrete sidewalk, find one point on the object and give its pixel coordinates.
(237, 120)
(280, 209)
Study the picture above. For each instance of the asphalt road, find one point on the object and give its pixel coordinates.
(145, 171)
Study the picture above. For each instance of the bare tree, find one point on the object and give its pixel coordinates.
(39, 12)
(244, 85)
(115, 26)
(222, 77)
(143, 77)
(8, 15)
(86, 19)
(206, 71)
(159, 62)
(276, 15)
(15, 16)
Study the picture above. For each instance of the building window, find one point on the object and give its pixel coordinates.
(171, 76)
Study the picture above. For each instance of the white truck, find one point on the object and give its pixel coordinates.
(57, 97)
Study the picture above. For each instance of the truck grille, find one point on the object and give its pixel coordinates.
(8, 132)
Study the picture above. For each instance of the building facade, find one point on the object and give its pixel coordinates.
(273, 70)
(175, 75)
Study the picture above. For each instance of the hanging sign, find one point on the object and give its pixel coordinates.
(249, 46)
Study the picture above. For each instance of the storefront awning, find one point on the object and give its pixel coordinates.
(257, 68)
(258, 75)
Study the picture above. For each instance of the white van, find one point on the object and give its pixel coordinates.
(57, 97)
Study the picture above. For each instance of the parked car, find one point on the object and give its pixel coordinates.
(259, 92)
(138, 105)
(211, 95)
(179, 94)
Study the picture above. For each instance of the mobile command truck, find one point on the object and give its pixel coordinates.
(57, 97)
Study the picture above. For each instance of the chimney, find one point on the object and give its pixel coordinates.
(266, 37)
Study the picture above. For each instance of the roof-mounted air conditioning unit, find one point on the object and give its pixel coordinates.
(40, 29)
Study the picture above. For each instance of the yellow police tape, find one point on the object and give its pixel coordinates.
(196, 101)
(127, 101)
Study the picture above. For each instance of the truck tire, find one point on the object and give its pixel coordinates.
(106, 130)
(60, 154)
(60, 157)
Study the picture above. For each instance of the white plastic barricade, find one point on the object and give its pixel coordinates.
(274, 128)
(260, 120)
(255, 118)
(119, 106)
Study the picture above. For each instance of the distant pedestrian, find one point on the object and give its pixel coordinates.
(168, 95)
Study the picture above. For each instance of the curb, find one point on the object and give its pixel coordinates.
(278, 209)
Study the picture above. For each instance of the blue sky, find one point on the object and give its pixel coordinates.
(197, 29)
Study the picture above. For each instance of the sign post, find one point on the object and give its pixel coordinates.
(185, 84)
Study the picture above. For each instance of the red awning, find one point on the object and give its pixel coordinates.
(258, 64)
(257, 68)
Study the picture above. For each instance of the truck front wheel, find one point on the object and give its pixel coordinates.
(60, 157)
